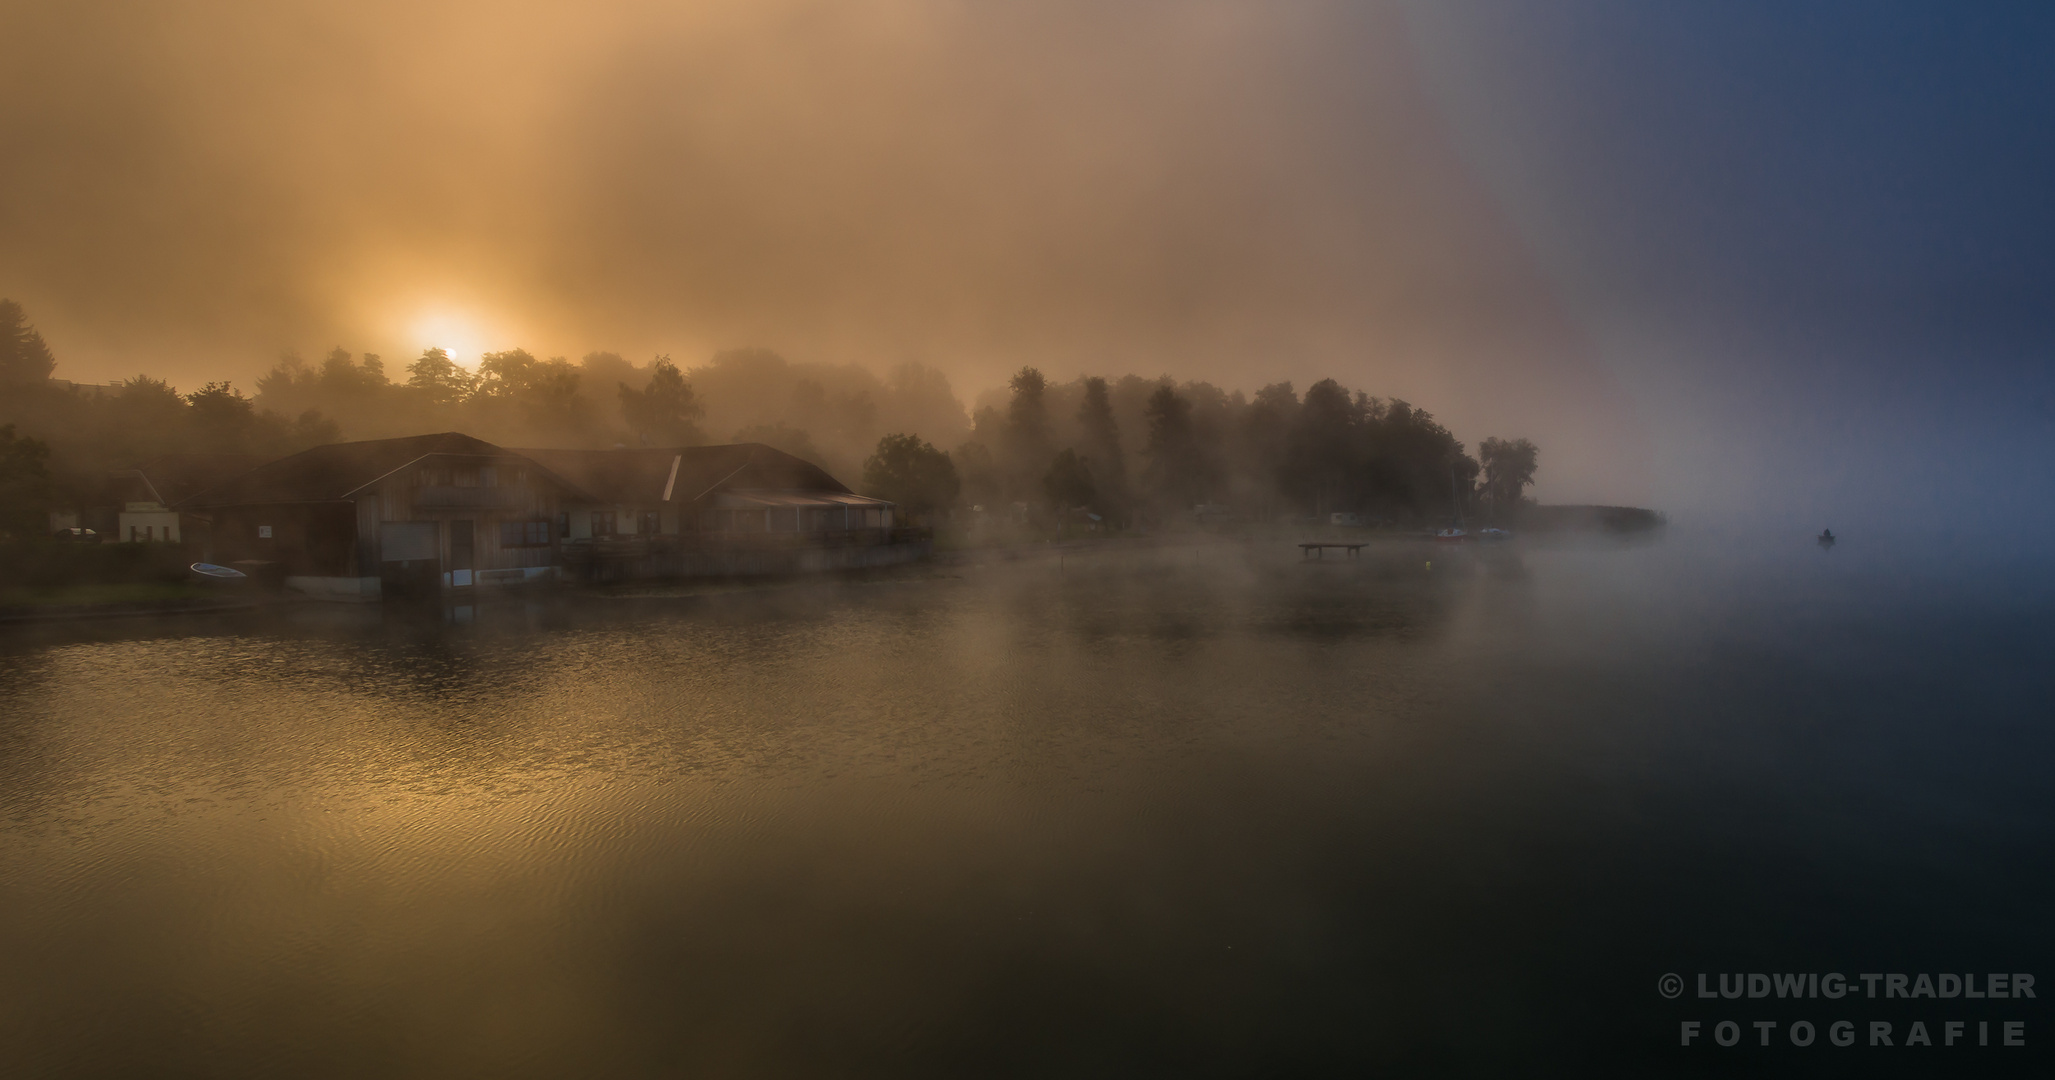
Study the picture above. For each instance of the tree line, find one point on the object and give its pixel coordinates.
(1128, 449)
(1136, 450)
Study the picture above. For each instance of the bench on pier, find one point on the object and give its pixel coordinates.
(1318, 549)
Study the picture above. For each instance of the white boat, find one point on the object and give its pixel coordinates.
(207, 571)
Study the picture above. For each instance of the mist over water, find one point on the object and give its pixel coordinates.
(1158, 803)
(1197, 809)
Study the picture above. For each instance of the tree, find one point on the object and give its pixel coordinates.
(223, 421)
(1262, 436)
(313, 429)
(1027, 429)
(1102, 447)
(340, 377)
(24, 484)
(601, 368)
(663, 412)
(1508, 469)
(147, 403)
(982, 486)
(355, 394)
(1025, 411)
(1068, 483)
(509, 374)
(1327, 451)
(25, 360)
(289, 382)
(1413, 464)
(1177, 472)
(912, 473)
(439, 379)
(528, 398)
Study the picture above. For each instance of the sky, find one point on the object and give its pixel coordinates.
(1782, 262)
(1814, 240)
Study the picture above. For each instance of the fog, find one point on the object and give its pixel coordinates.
(1209, 805)
(1208, 191)
(1750, 265)
(1812, 241)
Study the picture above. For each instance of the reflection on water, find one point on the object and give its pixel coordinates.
(1189, 810)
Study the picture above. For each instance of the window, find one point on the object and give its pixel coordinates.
(488, 476)
(564, 524)
(513, 534)
(603, 523)
(647, 523)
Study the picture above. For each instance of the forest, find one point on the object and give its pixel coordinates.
(1124, 450)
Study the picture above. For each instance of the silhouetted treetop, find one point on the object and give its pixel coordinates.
(663, 412)
(912, 473)
(25, 359)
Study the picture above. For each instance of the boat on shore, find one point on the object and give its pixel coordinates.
(217, 575)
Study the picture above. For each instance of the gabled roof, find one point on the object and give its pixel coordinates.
(173, 477)
(338, 471)
(647, 475)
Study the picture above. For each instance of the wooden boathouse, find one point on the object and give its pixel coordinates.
(365, 519)
(419, 515)
(694, 511)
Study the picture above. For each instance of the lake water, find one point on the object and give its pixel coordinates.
(1180, 811)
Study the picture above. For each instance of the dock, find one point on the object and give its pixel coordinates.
(1318, 549)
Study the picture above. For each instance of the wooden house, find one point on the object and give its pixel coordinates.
(423, 513)
(741, 508)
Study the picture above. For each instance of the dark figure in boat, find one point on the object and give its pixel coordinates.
(1827, 538)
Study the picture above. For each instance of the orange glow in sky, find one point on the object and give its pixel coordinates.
(452, 331)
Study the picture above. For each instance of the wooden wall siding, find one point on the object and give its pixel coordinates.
(446, 490)
(368, 554)
(308, 539)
